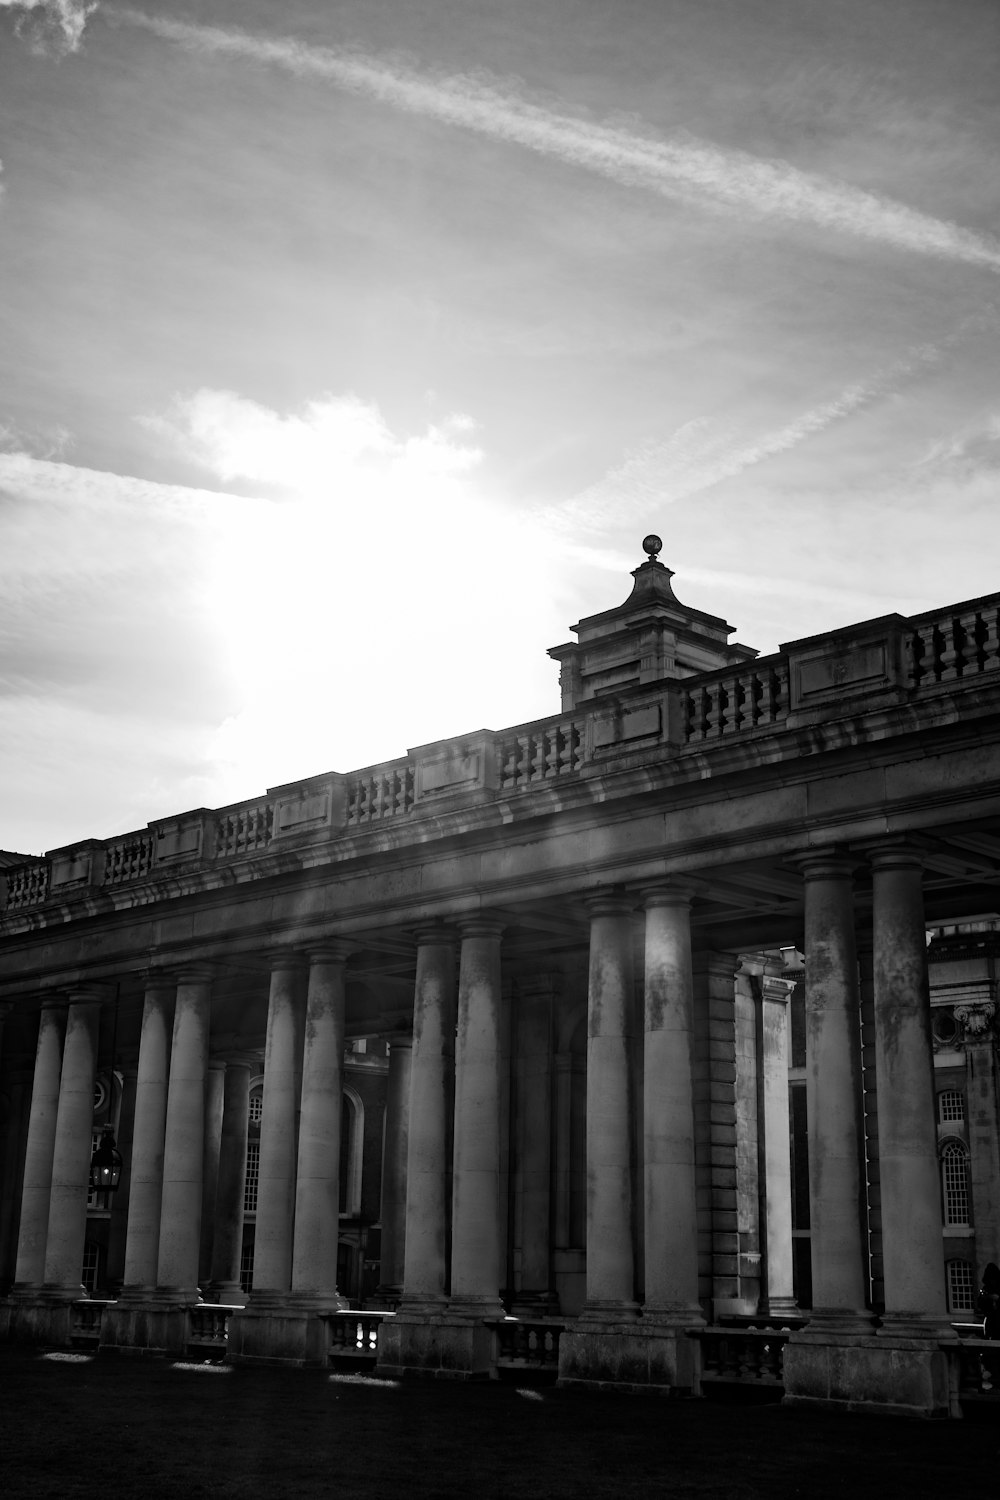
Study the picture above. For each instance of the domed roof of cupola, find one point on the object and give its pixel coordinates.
(650, 637)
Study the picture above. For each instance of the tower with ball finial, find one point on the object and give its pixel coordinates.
(650, 637)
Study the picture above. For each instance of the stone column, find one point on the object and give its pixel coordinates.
(476, 1225)
(610, 1247)
(73, 1148)
(833, 1098)
(214, 1086)
(317, 1188)
(533, 1101)
(272, 1274)
(118, 1218)
(427, 1165)
(228, 1242)
(184, 1141)
(393, 1207)
(777, 1295)
(142, 1239)
(670, 1221)
(912, 1251)
(37, 1188)
(979, 1034)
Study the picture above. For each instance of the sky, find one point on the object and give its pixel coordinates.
(349, 348)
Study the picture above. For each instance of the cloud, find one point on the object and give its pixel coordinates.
(51, 27)
(678, 167)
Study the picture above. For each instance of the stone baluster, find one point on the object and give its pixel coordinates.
(272, 1271)
(37, 1181)
(431, 1085)
(610, 1247)
(184, 1141)
(476, 1234)
(670, 1219)
(393, 1207)
(317, 1187)
(227, 1244)
(67, 1227)
(912, 1253)
(833, 1095)
(142, 1238)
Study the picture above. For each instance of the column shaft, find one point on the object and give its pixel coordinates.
(912, 1251)
(393, 1209)
(317, 1188)
(610, 1005)
(427, 1153)
(214, 1087)
(670, 1221)
(272, 1274)
(533, 1099)
(833, 1098)
(476, 1233)
(142, 1237)
(72, 1151)
(777, 1295)
(228, 1243)
(184, 1143)
(37, 1182)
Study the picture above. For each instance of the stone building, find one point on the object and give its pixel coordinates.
(584, 1041)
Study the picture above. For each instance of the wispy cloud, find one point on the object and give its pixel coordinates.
(50, 26)
(696, 457)
(678, 167)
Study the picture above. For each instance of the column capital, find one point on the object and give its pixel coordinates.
(893, 853)
(482, 925)
(331, 951)
(196, 973)
(835, 863)
(285, 958)
(239, 1060)
(677, 890)
(435, 934)
(611, 903)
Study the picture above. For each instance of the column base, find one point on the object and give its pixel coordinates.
(601, 1311)
(226, 1294)
(847, 1321)
(288, 1333)
(648, 1355)
(441, 1345)
(875, 1372)
(530, 1305)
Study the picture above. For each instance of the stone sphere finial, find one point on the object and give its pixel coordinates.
(651, 545)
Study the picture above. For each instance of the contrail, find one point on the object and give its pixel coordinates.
(678, 168)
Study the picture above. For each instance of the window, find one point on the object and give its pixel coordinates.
(253, 1174)
(246, 1267)
(951, 1105)
(91, 1267)
(961, 1288)
(955, 1182)
(256, 1105)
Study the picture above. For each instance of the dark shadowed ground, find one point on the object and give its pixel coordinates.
(72, 1426)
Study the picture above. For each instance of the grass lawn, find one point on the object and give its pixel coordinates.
(72, 1425)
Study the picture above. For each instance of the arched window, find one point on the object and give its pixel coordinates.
(352, 1147)
(951, 1106)
(961, 1287)
(955, 1182)
(252, 1177)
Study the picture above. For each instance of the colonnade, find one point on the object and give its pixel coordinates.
(662, 1216)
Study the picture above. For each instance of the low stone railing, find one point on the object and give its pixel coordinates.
(85, 1321)
(976, 1365)
(732, 702)
(383, 792)
(954, 644)
(354, 1335)
(541, 753)
(749, 1356)
(208, 1327)
(528, 1344)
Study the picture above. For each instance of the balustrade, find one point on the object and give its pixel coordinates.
(747, 1355)
(127, 859)
(241, 830)
(384, 792)
(85, 1321)
(541, 754)
(27, 885)
(723, 705)
(953, 646)
(527, 1345)
(209, 1326)
(354, 1335)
